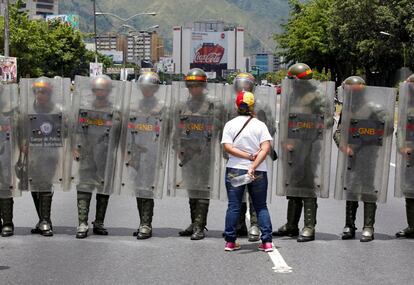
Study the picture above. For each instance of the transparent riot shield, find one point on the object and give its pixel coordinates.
(265, 109)
(195, 156)
(365, 144)
(9, 115)
(229, 99)
(46, 108)
(305, 138)
(97, 134)
(404, 176)
(144, 143)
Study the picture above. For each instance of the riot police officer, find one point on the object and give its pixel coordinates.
(145, 132)
(405, 144)
(45, 143)
(97, 135)
(198, 119)
(364, 136)
(8, 143)
(264, 112)
(304, 164)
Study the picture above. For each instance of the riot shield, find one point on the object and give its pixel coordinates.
(404, 176)
(365, 144)
(229, 98)
(144, 143)
(97, 133)
(9, 153)
(305, 138)
(195, 156)
(46, 107)
(265, 110)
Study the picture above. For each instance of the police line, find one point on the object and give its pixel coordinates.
(115, 137)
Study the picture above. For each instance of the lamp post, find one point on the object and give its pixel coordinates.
(125, 19)
(115, 16)
(6, 29)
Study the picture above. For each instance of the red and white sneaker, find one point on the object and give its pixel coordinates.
(266, 247)
(230, 246)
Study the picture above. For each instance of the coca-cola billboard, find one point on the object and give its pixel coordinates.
(209, 51)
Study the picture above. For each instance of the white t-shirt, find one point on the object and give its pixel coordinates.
(249, 140)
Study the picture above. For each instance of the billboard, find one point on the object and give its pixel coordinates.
(8, 69)
(95, 69)
(209, 51)
(116, 55)
(70, 20)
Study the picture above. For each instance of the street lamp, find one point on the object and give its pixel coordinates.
(125, 19)
(140, 31)
(403, 44)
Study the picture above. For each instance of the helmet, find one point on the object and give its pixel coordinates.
(300, 71)
(101, 82)
(245, 102)
(410, 79)
(149, 80)
(244, 81)
(196, 77)
(42, 84)
(354, 83)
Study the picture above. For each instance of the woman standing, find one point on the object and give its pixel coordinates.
(247, 141)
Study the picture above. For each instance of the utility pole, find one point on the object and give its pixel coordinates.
(94, 30)
(6, 29)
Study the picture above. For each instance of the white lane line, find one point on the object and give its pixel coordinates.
(279, 263)
(392, 164)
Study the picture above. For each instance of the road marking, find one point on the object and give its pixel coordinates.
(392, 164)
(279, 263)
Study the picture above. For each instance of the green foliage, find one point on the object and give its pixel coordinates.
(230, 77)
(46, 48)
(277, 77)
(344, 37)
(305, 38)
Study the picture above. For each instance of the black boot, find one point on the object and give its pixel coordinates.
(294, 211)
(36, 200)
(350, 216)
(409, 231)
(101, 205)
(7, 229)
(254, 230)
(189, 230)
(200, 219)
(369, 221)
(45, 206)
(310, 208)
(84, 202)
(146, 212)
(241, 228)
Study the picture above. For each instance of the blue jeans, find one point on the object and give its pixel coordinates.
(258, 193)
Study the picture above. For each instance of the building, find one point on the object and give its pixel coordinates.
(38, 9)
(211, 45)
(135, 48)
(264, 62)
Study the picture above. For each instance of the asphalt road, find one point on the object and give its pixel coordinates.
(168, 259)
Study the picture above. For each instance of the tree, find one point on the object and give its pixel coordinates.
(358, 43)
(343, 36)
(46, 48)
(306, 37)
